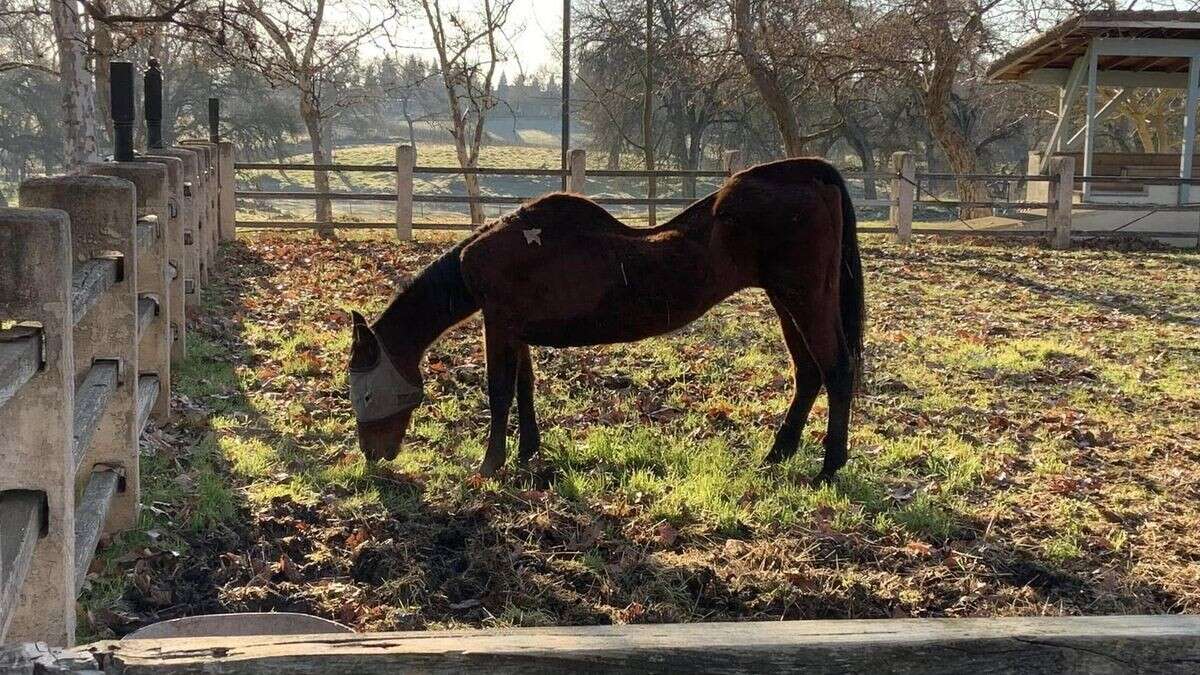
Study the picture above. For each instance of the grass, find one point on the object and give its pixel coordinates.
(1027, 444)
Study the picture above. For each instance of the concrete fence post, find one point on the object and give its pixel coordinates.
(1061, 193)
(35, 426)
(406, 162)
(103, 215)
(152, 194)
(226, 178)
(181, 255)
(903, 189)
(577, 171)
(207, 204)
(733, 161)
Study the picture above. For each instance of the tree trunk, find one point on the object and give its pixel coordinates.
(103, 45)
(78, 88)
(959, 151)
(323, 206)
(962, 158)
(648, 115)
(614, 153)
(769, 88)
(866, 156)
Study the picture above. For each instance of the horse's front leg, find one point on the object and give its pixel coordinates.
(526, 419)
(502, 363)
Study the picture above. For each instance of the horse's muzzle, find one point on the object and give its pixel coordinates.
(380, 440)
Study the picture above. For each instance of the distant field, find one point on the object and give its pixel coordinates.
(1027, 444)
(440, 154)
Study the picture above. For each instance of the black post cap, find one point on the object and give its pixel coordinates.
(120, 75)
(214, 120)
(152, 104)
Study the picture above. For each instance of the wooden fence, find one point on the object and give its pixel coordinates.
(96, 272)
(1013, 645)
(907, 191)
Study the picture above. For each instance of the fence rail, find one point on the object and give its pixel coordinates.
(87, 363)
(906, 191)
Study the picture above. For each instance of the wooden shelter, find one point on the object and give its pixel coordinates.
(1125, 50)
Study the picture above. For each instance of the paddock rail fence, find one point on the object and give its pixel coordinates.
(97, 272)
(1051, 202)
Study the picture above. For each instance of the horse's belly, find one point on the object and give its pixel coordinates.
(649, 317)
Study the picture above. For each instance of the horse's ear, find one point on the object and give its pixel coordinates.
(357, 318)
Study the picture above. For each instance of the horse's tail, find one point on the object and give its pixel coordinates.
(853, 303)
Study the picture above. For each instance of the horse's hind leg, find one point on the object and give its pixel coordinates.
(502, 365)
(817, 326)
(526, 419)
(807, 385)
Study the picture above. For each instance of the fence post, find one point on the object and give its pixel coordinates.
(226, 180)
(1061, 193)
(181, 258)
(406, 162)
(900, 215)
(207, 204)
(152, 191)
(733, 161)
(577, 176)
(35, 426)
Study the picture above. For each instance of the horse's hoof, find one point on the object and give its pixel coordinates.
(824, 478)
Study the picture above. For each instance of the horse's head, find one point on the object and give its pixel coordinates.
(384, 393)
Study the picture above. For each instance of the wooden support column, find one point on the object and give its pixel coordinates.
(181, 256)
(406, 162)
(577, 171)
(227, 181)
(1070, 93)
(733, 161)
(35, 425)
(1089, 136)
(1058, 205)
(153, 192)
(1189, 129)
(904, 178)
(103, 216)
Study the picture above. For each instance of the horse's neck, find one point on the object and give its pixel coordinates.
(436, 300)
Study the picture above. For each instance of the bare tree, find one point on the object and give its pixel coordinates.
(78, 87)
(297, 44)
(468, 51)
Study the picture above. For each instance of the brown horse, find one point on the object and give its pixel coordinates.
(561, 272)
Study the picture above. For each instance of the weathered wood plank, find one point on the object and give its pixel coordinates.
(91, 400)
(90, 513)
(147, 310)
(1110, 644)
(146, 396)
(20, 357)
(89, 281)
(21, 513)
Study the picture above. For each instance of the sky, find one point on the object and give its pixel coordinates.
(533, 31)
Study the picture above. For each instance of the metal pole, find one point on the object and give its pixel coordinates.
(566, 88)
(152, 83)
(214, 120)
(648, 117)
(121, 92)
(1089, 135)
(1189, 129)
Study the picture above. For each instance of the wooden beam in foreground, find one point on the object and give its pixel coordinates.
(1110, 644)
